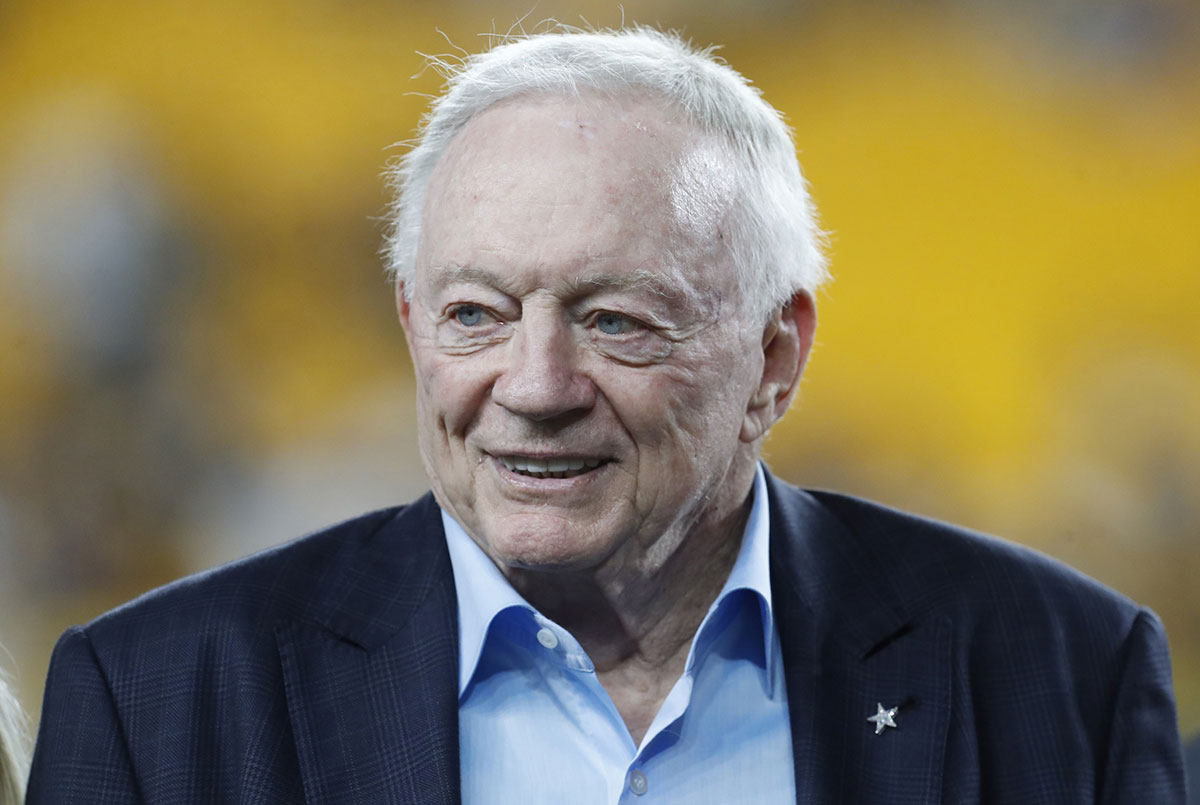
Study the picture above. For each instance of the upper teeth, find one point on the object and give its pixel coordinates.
(551, 465)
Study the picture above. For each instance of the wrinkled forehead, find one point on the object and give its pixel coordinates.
(647, 133)
(629, 153)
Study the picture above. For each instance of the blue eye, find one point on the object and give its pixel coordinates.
(469, 315)
(615, 324)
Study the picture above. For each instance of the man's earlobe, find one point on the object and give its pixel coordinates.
(787, 340)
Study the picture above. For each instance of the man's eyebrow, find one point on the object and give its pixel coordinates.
(678, 295)
(638, 280)
(465, 273)
(627, 280)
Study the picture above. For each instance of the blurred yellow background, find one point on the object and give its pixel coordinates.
(199, 358)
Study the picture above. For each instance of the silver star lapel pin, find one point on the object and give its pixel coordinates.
(883, 718)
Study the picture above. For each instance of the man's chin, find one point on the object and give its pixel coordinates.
(539, 552)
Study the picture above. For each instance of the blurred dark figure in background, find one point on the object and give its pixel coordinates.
(605, 260)
(91, 483)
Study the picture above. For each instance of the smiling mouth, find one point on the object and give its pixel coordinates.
(550, 468)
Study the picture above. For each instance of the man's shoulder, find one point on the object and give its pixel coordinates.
(983, 583)
(203, 681)
(284, 582)
(1049, 683)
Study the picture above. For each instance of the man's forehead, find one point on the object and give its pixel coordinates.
(610, 192)
(643, 137)
(591, 144)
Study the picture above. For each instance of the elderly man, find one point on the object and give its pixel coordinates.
(605, 260)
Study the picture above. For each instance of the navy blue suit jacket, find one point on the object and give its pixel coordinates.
(325, 671)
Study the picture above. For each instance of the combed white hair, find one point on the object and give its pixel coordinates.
(14, 763)
(774, 239)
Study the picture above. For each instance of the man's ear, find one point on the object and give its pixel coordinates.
(786, 342)
(403, 307)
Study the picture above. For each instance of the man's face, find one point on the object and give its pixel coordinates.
(583, 368)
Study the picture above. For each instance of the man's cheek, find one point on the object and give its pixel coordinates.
(447, 390)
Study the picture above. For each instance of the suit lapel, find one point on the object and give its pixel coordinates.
(849, 646)
(371, 674)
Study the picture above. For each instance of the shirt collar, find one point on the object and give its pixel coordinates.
(483, 592)
(752, 571)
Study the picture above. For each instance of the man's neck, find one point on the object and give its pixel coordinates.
(635, 619)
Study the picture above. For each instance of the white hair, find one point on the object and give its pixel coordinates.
(774, 240)
(14, 758)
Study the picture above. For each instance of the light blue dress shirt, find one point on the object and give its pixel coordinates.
(536, 726)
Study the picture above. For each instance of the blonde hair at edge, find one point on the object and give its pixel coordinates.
(14, 761)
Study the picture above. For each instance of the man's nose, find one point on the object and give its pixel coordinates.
(541, 380)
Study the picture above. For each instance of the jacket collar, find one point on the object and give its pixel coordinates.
(851, 645)
(821, 565)
(369, 674)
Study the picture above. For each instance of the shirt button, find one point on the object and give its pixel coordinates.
(638, 782)
(547, 638)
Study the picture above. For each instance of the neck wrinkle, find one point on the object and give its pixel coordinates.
(640, 618)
